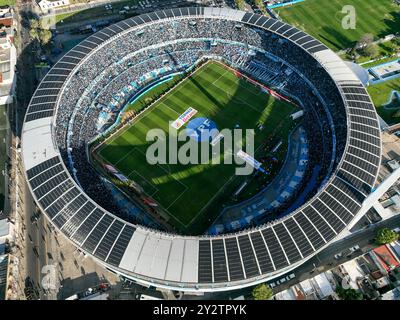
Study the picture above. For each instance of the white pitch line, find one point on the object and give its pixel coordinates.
(151, 184)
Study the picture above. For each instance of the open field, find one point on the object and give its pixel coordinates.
(186, 192)
(380, 94)
(322, 19)
(8, 2)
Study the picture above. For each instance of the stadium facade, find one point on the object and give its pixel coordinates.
(204, 263)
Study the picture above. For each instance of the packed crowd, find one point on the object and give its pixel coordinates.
(112, 75)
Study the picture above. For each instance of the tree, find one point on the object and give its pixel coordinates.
(386, 235)
(260, 4)
(39, 33)
(262, 292)
(34, 24)
(371, 50)
(34, 34)
(240, 4)
(44, 36)
(365, 40)
(349, 294)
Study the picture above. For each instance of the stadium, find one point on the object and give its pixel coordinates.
(84, 135)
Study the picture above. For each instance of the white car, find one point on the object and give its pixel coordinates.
(338, 256)
(355, 248)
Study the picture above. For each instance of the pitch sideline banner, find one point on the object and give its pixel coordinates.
(183, 118)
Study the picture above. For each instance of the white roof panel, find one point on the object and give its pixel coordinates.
(190, 262)
(224, 12)
(160, 260)
(174, 267)
(335, 66)
(132, 252)
(37, 144)
(145, 262)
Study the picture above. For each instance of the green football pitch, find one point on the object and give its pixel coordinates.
(187, 192)
(322, 19)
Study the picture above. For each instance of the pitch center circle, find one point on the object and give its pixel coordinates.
(201, 129)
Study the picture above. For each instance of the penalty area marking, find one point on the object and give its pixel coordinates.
(181, 183)
(147, 181)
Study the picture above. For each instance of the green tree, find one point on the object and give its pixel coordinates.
(386, 235)
(260, 4)
(262, 292)
(34, 24)
(34, 34)
(240, 4)
(349, 294)
(365, 40)
(371, 50)
(39, 33)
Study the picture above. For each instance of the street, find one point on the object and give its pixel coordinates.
(33, 236)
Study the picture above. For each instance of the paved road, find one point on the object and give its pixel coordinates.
(156, 4)
(110, 16)
(40, 248)
(34, 249)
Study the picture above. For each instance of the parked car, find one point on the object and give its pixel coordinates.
(338, 256)
(355, 248)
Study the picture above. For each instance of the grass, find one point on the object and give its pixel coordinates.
(380, 94)
(191, 193)
(377, 62)
(65, 16)
(3, 153)
(322, 19)
(386, 52)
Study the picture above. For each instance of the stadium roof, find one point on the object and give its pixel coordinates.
(359, 71)
(201, 263)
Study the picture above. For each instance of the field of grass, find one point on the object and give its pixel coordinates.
(380, 94)
(8, 2)
(64, 16)
(384, 54)
(188, 192)
(322, 19)
(377, 62)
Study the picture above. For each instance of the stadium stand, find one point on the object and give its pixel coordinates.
(99, 75)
